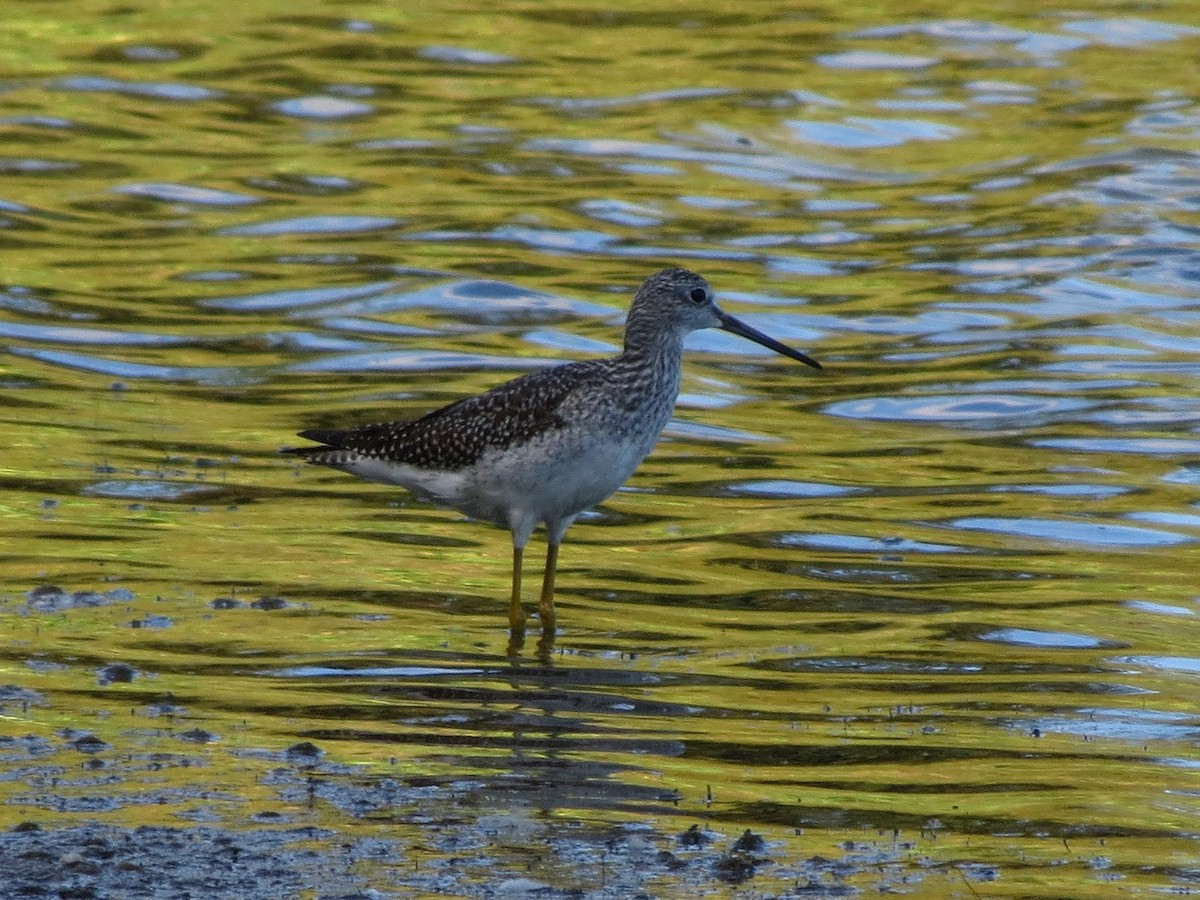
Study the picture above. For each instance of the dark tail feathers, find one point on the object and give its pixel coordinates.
(326, 438)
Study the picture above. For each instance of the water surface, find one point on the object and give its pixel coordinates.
(933, 613)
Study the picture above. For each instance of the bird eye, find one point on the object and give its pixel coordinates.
(698, 295)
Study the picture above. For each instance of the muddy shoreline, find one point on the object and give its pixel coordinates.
(378, 837)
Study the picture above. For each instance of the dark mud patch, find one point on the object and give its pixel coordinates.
(50, 598)
(497, 856)
(318, 829)
(96, 860)
(20, 699)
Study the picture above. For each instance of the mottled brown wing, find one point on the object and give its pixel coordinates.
(455, 436)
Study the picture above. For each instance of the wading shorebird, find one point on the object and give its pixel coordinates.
(544, 447)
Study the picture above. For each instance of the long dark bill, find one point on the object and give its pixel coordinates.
(738, 327)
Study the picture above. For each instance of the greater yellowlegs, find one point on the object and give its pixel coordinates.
(544, 447)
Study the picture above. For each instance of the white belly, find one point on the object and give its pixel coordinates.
(551, 482)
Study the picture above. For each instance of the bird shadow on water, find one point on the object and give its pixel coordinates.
(548, 736)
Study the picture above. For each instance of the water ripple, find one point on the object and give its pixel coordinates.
(859, 132)
(147, 490)
(465, 56)
(1041, 44)
(57, 334)
(1129, 31)
(184, 193)
(875, 59)
(968, 410)
(321, 106)
(1028, 637)
(293, 298)
(785, 488)
(329, 224)
(768, 166)
(189, 93)
(471, 300)
(125, 369)
(856, 544)
(417, 361)
(1188, 665)
(1147, 446)
(1072, 531)
(672, 95)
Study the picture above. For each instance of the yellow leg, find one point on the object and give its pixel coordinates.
(516, 612)
(546, 604)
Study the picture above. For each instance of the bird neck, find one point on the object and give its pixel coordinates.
(645, 337)
(653, 358)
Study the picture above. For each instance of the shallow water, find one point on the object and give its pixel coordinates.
(940, 600)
